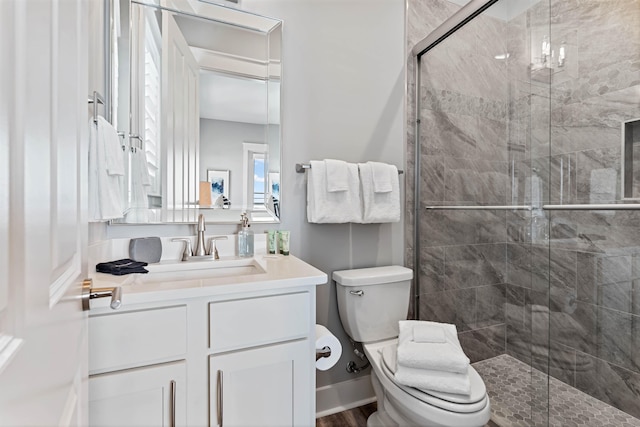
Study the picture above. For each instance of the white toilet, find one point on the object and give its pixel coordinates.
(371, 301)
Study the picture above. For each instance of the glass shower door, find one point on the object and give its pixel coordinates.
(483, 242)
(594, 249)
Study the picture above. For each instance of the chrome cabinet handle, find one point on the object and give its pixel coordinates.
(219, 390)
(172, 407)
(357, 293)
(89, 293)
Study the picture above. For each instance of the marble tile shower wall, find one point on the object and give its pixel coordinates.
(465, 160)
(566, 293)
(593, 258)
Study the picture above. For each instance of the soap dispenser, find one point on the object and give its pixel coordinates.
(245, 238)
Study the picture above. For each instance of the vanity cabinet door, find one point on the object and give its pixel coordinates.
(265, 386)
(151, 396)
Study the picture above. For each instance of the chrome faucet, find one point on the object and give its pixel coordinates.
(201, 252)
(200, 248)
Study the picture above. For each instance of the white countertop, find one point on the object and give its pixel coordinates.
(280, 272)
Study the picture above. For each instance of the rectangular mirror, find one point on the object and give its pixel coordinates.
(196, 98)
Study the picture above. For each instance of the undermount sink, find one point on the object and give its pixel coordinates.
(176, 270)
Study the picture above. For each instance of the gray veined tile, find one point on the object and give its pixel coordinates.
(432, 270)
(612, 385)
(471, 266)
(490, 305)
(616, 338)
(484, 343)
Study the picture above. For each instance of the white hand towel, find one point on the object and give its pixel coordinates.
(425, 332)
(140, 181)
(145, 176)
(337, 207)
(447, 356)
(114, 161)
(446, 382)
(105, 188)
(337, 175)
(382, 177)
(379, 207)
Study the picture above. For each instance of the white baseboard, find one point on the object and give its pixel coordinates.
(339, 397)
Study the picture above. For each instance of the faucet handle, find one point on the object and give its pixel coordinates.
(213, 250)
(187, 248)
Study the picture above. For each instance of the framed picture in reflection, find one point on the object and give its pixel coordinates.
(219, 180)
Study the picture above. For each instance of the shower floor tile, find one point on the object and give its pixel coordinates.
(518, 396)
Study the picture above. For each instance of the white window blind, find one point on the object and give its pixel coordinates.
(152, 109)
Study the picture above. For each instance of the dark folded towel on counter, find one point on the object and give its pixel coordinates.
(121, 267)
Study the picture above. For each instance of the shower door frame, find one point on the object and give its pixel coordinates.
(463, 16)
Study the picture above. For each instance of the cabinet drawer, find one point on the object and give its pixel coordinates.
(137, 338)
(256, 321)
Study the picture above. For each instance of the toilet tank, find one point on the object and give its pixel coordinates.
(371, 301)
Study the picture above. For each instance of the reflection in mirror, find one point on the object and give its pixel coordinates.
(197, 92)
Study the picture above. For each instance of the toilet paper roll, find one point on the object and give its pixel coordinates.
(324, 338)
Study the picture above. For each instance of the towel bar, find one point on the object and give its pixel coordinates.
(301, 168)
(95, 100)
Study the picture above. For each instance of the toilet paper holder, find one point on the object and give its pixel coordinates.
(323, 352)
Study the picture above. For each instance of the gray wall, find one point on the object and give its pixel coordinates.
(221, 149)
(344, 85)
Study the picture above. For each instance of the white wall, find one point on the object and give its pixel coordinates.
(344, 89)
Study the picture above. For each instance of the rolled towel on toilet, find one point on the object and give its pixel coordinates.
(438, 356)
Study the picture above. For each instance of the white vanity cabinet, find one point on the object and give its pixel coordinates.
(240, 355)
(261, 367)
(137, 367)
(141, 397)
(265, 386)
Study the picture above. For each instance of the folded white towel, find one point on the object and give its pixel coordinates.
(447, 356)
(337, 207)
(426, 332)
(379, 207)
(337, 175)
(106, 167)
(424, 379)
(382, 177)
(446, 382)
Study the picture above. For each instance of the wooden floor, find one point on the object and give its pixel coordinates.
(356, 417)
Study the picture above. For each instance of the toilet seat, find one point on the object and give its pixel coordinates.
(410, 406)
(459, 403)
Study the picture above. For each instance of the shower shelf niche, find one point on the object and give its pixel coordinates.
(631, 159)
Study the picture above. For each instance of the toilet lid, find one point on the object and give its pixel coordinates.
(449, 401)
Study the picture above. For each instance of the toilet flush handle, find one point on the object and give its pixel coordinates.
(357, 293)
